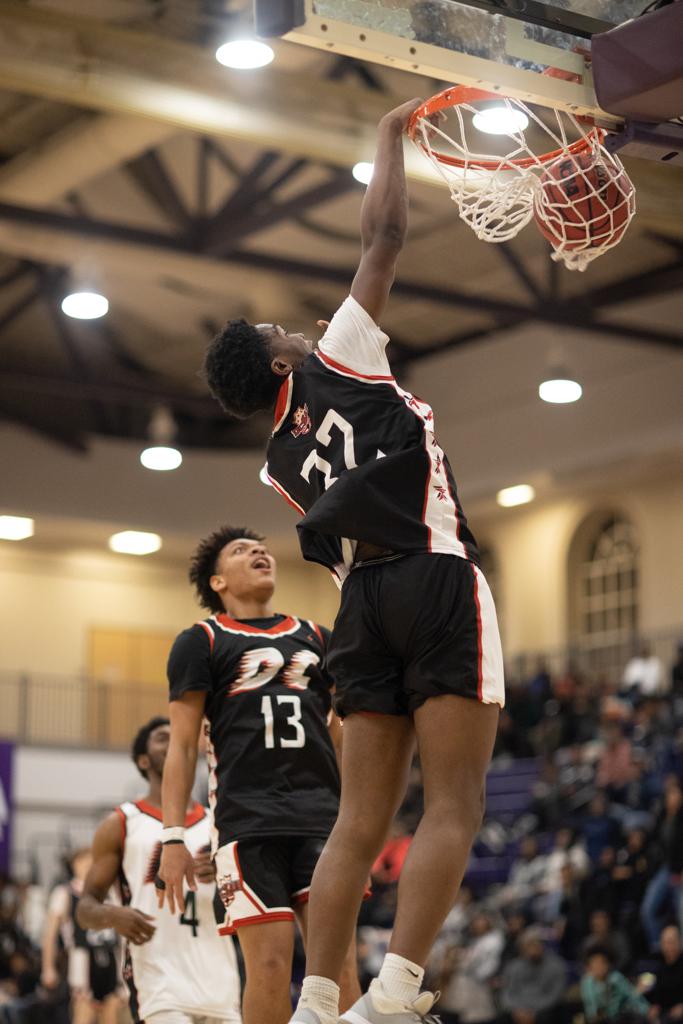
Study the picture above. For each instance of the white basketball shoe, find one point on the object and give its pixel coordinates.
(376, 1008)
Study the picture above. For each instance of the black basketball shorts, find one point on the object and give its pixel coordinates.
(263, 878)
(416, 627)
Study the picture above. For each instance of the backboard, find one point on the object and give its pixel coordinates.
(532, 50)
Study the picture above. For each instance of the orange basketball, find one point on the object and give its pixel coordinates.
(585, 202)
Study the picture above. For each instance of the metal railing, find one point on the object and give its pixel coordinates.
(52, 710)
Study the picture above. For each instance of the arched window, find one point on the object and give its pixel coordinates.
(607, 598)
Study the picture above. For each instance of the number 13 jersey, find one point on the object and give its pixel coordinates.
(356, 455)
(273, 770)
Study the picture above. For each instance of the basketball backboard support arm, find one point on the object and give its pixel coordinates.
(346, 27)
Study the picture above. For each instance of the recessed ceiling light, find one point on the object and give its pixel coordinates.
(362, 172)
(85, 305)
(15, 527)
(500, 120)
(520, 494)
(560, 390)
(243, 54)
(161, 458)
(135, 542)
(263, 476)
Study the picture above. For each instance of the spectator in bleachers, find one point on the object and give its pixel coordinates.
(666, 996)
(533, 984)
(598, 889)
(565, 851)
(567, 916)
(615, 767)
(387, 867)
(602, 933)
(606, 993)
(664, 893)
(599, 828)
(632, 869)
(643, 675)
(515, 923)
(526, 875)
(467, 973)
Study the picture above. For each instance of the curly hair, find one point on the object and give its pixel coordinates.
(204, 558)
(139, 746)
(238, 372)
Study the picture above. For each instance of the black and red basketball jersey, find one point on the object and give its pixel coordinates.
(356, 454)
(273, 769)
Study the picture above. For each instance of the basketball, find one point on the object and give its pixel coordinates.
(585, 202)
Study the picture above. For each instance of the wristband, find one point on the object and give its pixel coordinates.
(174, 834)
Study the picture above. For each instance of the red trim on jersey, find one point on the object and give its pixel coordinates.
(480, 651)
(195, 814)
(124, 824)
(209, 633)
(284, 397)
(282, 627)
(283, 494)
(263, 918)
(334, 365)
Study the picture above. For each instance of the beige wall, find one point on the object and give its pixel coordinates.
(531, 546)
(49, 602)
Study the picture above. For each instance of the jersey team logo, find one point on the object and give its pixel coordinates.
(302, 421)
(228, 887)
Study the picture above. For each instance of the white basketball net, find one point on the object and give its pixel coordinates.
(498, 200)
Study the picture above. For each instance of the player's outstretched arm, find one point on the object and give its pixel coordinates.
(384, 214)
(177, 865)
(92, 910)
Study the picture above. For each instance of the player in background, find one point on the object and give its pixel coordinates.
(178, 969)
(259, 680)
(92, 970)
(415, 652)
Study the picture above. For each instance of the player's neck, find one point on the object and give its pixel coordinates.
(248, 608)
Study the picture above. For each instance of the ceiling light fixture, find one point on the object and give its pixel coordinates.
(161, 456)
(362, 172)
(244, 54)
(520, 494)
(85, 305)
(500, 121)
(135, 542)
(560, 390)
(15, 527)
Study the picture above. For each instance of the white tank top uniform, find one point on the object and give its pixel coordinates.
(187, 967)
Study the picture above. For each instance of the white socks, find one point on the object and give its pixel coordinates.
(400, 979)
(321, 995)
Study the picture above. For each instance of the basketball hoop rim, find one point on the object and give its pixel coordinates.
(455, 96)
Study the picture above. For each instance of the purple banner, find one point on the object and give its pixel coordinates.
(6, 766)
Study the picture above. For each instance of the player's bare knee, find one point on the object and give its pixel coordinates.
(268, 966)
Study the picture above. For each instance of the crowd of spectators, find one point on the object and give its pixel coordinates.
(585, 920)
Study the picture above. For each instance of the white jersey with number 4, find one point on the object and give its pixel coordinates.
(187, 966)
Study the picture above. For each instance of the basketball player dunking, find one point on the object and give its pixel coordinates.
(178, 969)
(415, 652)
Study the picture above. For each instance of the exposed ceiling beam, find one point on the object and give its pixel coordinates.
(19, 307)
(218, 243)
(571, 315)
(152, 178)
(516, 264)
(91, 64)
